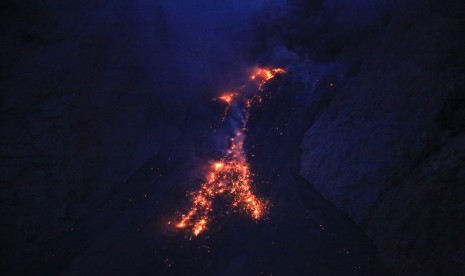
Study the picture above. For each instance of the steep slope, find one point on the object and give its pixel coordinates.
(82, 85)
(302, 233)
(388, 150)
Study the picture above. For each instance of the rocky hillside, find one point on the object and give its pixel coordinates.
(389, 148)
(360, 147)
(82, 107)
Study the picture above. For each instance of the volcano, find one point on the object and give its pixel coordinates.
(228, 217)
(176, 137)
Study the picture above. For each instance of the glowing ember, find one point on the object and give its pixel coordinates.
(265, 74)
(229, 177)
(227, 98)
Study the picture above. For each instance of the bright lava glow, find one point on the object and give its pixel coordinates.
(227, 98)
(262, 75)
(229, 177)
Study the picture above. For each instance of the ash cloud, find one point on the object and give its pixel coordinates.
(211, 40)
(321, 42)
(319, 30)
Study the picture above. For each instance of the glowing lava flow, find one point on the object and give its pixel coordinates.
(228, 99)
(264, 74)
(229, 177)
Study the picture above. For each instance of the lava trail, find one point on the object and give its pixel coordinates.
(230, 177)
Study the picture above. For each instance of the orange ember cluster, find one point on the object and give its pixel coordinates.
(227, 98)
(262, 75)
(230, 177)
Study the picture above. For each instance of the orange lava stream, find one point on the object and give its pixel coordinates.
(228, 99)
(229, 177)
(263, 75)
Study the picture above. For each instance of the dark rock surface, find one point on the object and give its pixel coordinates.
(82, 107)
(389, 147)
(417, 224)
